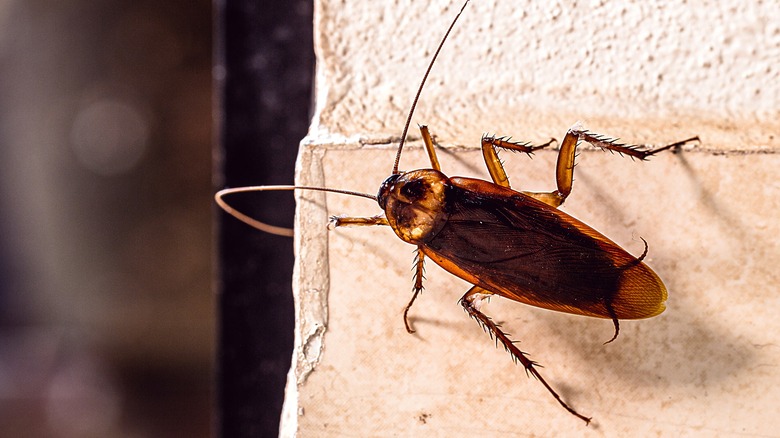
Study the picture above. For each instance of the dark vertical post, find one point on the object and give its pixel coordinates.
(264, 71)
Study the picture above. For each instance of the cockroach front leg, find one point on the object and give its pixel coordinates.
(419, 275)
(472, 301)
(419, 260)
(344, 221)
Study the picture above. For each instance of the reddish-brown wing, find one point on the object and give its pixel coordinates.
(527, 251)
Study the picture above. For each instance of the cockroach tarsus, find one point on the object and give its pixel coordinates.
(514, 244)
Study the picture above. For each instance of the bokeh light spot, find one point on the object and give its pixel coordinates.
(109, 137)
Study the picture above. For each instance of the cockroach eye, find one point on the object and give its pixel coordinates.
(385, 189)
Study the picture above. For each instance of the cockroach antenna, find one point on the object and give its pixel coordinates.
(506, 242)
(288, 232)
(422, 84)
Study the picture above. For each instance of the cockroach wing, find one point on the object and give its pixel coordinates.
(525, 250)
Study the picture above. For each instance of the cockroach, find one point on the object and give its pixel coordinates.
(514, 244)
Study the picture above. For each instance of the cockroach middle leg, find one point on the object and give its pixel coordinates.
(472, 301)
(494, 165)
(419, 276)
(496, 168)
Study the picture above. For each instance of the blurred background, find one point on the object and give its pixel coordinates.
(108, 320)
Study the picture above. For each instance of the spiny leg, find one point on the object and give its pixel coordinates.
(564, 171)
(496, 169)
(419, 275)
(472, 301)
(344, 221)
(612, 144)
(494, 165)
(493, 162)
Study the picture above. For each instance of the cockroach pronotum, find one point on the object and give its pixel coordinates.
(514, 244)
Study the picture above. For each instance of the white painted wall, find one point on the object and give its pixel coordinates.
(639, 69)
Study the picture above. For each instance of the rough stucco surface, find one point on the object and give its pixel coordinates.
(642, 71)
(531, 69)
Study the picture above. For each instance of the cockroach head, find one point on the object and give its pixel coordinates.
(415, 204)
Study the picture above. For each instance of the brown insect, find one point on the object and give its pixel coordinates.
(514, 244)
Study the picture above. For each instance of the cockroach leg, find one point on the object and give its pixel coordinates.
(495, 168)
(498, 174)
(429, 147)
(578, 133)
(564, 171)
(553, 199)
(343, 221)
(472, 301)
(674, 146)
(419, 276)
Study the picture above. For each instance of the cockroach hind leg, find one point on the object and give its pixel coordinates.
(674, 147)
(614, 145)
(471, 302)
(579, 133)
(419, 276)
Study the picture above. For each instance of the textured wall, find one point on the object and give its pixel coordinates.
(646, 72)
(530, 69)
